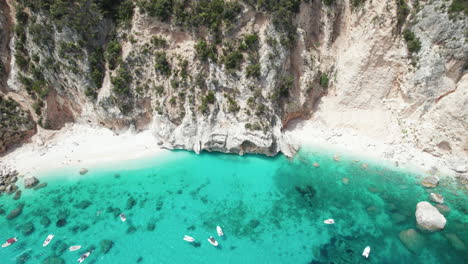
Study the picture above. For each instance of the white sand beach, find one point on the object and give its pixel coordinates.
(79, 145)
(349, 142)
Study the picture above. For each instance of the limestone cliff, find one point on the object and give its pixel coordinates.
(229, 75)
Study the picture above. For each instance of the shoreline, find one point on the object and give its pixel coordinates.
(79, 146)
(347, 142)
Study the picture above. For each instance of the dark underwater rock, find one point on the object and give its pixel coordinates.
(59, 247)
(61, 222)
(151, 226)
(17, 195)
(83, 204)
(106, 245)
(159, 205)
(21, 259)
(53, 260)
(27, 228)
(45, 221)
(15, 212)
(307, 192)
(40, 186)
(131, 229)
(131, 202)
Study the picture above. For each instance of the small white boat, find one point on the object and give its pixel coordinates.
(189, 239)
(9, 242)
(366, 252)
(48, 239)
(84, 256)
(74, 248)
(329, 221)
(219, 230)
(213, 241)
(123, 217)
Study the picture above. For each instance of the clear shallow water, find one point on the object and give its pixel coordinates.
(271, 210)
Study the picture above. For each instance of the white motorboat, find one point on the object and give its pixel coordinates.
(74, 248)
(329, 221)
(84, 256)
(9, 242)
(48, 239)
(123, 217)
(219, 231)
(366, 252)
(213, 241)
(189, 239)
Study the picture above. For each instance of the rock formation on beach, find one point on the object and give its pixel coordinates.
(229, 76)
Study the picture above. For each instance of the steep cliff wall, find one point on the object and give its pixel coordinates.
(229, 75)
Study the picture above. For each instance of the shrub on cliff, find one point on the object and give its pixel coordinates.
(412, 42)
(205, 51)
(161, 63)
(113, 52)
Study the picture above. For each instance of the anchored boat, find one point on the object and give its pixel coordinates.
(366, 252)
(213, 241)
(189, 238)
(48, 239)
(219, 231)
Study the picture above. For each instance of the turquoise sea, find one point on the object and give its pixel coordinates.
(271, 210)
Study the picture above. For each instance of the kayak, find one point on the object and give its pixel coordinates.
(84, 256)
(74, 248)
(9, 242)
(189, 238)
(219, 230)
(123, 217)
(329, 221)
(366, 252)
(213, 241)
(48, 239)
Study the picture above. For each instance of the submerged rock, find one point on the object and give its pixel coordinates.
(83, 204)
(437, 198)
(40, 186)
(15, 213)
(455, 241)
(398, 218)
(131, 229)
(429, 218)
(83, 171)
(17, 195)
(59, 247)
(106, 245)
(443, 209)
(45, 221)
(53, 260)
(131, 202)
(61, 222)
(27, 228)
(430, 181)
(23, 258)
(412, 240)
(30, 182)
(151, 227)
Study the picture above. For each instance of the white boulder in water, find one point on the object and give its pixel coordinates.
(429, 218)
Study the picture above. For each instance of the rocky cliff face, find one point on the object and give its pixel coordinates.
(229, 75)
